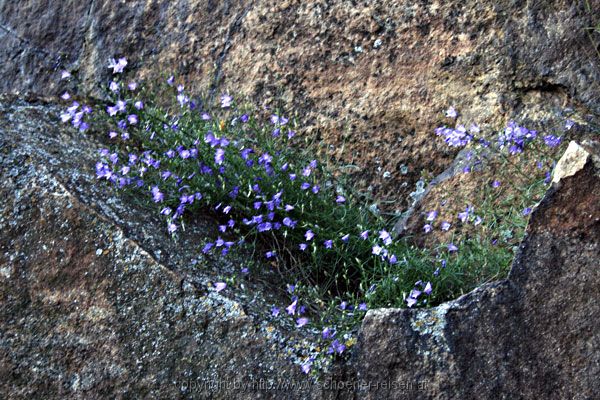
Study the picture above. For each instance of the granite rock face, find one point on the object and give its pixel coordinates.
(370, 80)
(95, 304)
(535, 335)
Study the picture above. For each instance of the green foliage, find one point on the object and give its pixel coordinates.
(268, 193)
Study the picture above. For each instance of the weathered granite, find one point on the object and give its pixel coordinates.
(535, 335)
(371, 79)
(368, 79)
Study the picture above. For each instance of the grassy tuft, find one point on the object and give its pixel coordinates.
(257, 175)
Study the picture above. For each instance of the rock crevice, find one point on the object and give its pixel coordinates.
(534, 335)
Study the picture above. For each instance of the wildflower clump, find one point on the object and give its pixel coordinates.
(256, 174)
(477, 230)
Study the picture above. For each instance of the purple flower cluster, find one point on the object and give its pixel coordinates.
(464, 217)
(413, 296)
(259, 212)
(76, 114)
(552, 141)
(515, 137)
(117, 65)
(455, 137)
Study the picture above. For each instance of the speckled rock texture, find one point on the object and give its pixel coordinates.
(369, 80)
(97, 302)
(535, 335)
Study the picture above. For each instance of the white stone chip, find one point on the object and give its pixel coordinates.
(572, 161)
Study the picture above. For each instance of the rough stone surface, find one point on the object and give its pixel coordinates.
(370, 80)
(96, 302)
(535, 335)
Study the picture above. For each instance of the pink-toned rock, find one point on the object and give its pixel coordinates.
(371, 80)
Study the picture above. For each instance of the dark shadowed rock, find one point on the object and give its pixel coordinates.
(535, 335)
(369, 79)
